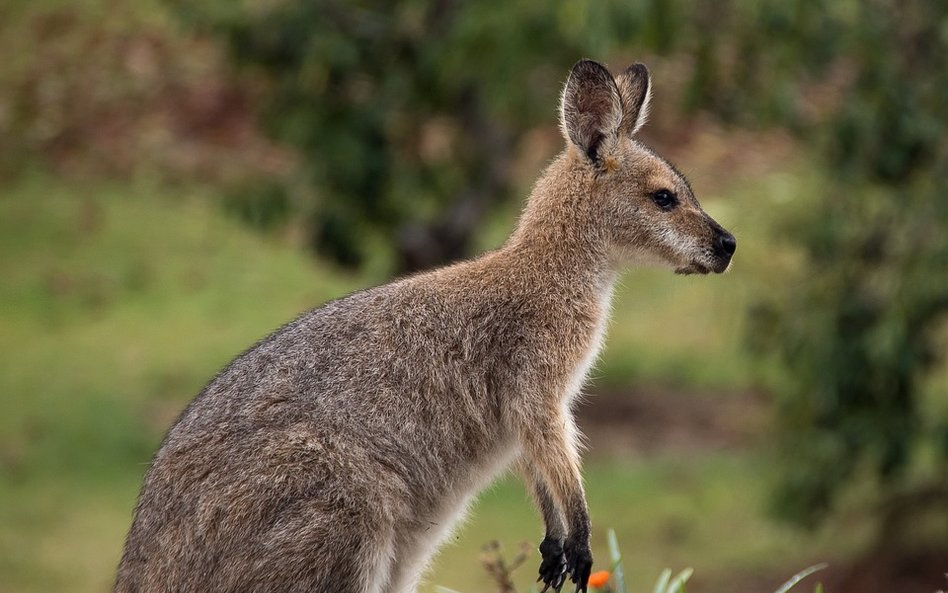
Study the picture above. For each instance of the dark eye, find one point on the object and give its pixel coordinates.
(665, 199)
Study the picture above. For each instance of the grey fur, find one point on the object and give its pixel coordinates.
(337, 453)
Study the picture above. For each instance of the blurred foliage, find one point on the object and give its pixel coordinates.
(407, 115)
(111, 89)
(858, 329)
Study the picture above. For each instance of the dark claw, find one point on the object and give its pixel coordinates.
(579, 564)
(553, 566)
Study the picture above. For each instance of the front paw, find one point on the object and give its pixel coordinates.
(579, 563)
(553, 564)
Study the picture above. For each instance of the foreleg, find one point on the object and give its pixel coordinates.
(550, 450)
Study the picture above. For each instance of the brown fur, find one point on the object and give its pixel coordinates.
(337, 453)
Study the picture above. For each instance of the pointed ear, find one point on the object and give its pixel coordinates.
(591, 109)
(635, 88)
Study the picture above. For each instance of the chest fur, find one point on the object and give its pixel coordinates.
(593, 346)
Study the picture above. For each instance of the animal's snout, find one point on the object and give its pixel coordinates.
(724, 244)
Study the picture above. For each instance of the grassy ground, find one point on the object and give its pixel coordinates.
(119, 302)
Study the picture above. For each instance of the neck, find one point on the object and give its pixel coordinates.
(558, 237)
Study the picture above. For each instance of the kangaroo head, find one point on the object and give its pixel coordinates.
(646, 205)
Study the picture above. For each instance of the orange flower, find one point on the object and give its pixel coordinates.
(598, 579)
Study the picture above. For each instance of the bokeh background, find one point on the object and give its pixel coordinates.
(178, 178)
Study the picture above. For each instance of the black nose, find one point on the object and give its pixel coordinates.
(725, 244)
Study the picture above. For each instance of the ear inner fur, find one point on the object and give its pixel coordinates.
(635, 91)
(591, 108)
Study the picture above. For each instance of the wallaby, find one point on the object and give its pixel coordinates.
(336, 454)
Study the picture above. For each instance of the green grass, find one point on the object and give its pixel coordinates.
(118, 302)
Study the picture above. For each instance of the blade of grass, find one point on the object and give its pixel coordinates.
(617, 575)
(800, 576)
(661, 586)
(678, 583)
